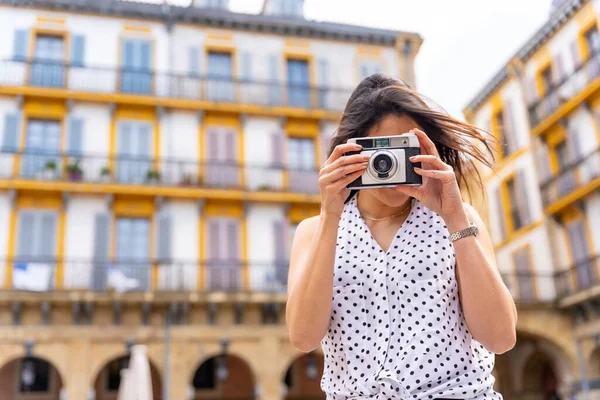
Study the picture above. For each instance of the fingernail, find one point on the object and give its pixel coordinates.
(411, 158)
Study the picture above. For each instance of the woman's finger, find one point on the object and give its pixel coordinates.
(343, 161)
(341, 172)
(340, 150)
(426, 143)
(433, 160)
(411, 191)
(436, 174)
(342, 183)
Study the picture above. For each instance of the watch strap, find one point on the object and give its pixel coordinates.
(470, 231)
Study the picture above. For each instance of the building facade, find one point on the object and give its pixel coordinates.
(155, 160)
(543, 202)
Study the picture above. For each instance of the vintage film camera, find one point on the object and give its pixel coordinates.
(389, 163)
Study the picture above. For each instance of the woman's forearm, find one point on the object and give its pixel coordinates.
(486, 302)
(309, 300)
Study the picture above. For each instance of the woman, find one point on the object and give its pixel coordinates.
(402, 309)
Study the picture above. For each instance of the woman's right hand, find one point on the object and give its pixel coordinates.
(339, 171)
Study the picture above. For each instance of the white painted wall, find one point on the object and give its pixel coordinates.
(592, 207)
(328, 129)
(261, 241)
(179, 145)
(512, 92)
(541, 258)
(79, 239)
(582, 121)
(258, 151)
(96, 137)
(185, 245)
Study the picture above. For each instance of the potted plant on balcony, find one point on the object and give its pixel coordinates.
(153, 176)
(74, 171)
(49, 172)
(186, 180)
(105, 174)
(265, 187)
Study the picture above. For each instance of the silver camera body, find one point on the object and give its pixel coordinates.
(389, 163)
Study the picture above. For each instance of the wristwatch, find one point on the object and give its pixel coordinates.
(471, 230)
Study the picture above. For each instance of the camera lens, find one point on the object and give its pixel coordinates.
(382, 163)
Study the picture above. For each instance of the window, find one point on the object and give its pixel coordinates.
(562, 155)
(592, 39)
(301, 154)
(515, 212)
(503, 150)
(222, 157)
(220, 73)
(49, 55)
(547, 78)
(136, 67)
(368, 68)
(34, 376)
(525, 278)
(223, 238)
(133, 252)
(579, 246)
(134, 154)
(41, 147)
(36, 240)
(298, 83)
(287, 7)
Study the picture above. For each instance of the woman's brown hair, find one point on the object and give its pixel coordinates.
(459, 144)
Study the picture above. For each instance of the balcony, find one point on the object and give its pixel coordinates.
(572, 183)
(579, 282)
(572, 90)
(161, 88)
(140, 276)
(167, 177)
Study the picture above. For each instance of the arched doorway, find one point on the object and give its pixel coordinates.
(593, 373)
(303, 378)
(30, 378)
(540, 380)
(224, 378)
(109, 378)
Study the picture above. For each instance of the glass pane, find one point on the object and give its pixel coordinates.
(514, 205)
(562, 155)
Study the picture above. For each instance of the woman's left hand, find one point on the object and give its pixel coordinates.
(439, 191)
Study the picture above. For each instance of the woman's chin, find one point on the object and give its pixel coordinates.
(391, 197)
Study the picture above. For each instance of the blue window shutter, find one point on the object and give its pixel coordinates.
(194, 61)
(102, 237)
(12, 128)
(75, 142)
(25, 234)
(145, 52)
(246, 67)
(163, 237)
(47, 236)
(20, 43)
(77, 50)
(275, 87)
(323, 71)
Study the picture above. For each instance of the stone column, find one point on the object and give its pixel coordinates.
(268, 377)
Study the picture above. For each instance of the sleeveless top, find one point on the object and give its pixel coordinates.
(397, 330)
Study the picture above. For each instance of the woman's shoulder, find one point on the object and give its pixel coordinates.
(308, 225)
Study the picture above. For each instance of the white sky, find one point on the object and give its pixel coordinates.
(466, 41)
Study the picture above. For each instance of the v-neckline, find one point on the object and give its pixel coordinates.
(396, 235)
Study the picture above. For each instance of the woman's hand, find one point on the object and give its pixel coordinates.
(439, 191)
(339, 171)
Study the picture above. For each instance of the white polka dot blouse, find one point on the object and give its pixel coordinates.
(397, 330)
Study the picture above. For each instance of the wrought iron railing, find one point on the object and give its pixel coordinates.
(582, 275)
(565, 89)
(144, 82)
(40, 275)
(572, 177)
(136, 170)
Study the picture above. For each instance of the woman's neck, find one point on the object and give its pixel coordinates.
(370, 206)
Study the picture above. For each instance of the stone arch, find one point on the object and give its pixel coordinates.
(112, 352)
(593, 364)
(40, 366)
(302, 377)
(119, 362)
(240, 382)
